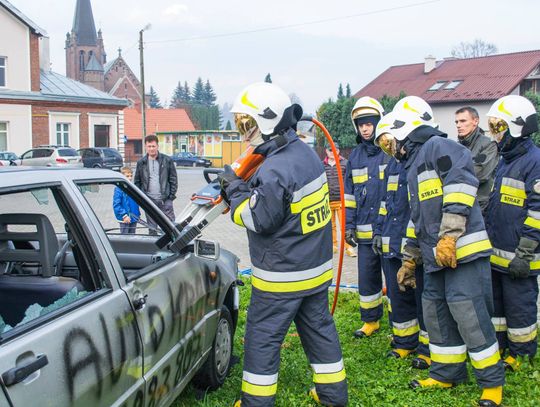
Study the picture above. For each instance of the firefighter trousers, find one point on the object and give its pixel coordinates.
(515, 316)
(457, 307)
(268, 321)
(369, 284)
(423, 337)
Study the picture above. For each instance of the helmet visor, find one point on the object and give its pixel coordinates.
(387, 143)
(244, 123)
(497, 127)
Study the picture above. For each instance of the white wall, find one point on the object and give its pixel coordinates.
(15, 45)
(74, 129)
(19, 120)
(445, 116)
(110, 120)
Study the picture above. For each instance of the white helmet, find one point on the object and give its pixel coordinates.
(404, 123)
(514, 113)
(268, 106)
(418, 106)
(366, 106)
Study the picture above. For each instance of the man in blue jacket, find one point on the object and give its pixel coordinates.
(286, 211)
(513, 224)
(364, 191)
(454, 247)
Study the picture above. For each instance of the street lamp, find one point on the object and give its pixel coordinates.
(143, 95)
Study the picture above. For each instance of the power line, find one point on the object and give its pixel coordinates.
(283, 27)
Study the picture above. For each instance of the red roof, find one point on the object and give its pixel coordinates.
(482, 79)
(156, 120)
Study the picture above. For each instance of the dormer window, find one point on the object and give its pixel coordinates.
(3, 63)
(452, 85)
(437, 85)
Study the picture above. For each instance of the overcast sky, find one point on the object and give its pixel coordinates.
(307, 59)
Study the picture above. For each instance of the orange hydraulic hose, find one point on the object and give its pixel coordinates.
(342, 199)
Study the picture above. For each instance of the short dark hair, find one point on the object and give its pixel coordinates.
(472, 111)
(151, 138)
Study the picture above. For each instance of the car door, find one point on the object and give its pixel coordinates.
(86, 348)
(25, 157)
(174, 294)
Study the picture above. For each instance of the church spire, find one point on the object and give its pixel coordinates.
(83, 24)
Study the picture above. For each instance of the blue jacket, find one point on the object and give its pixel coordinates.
(394, 213)
(364, 189)
(286, 210)
(514, 205)
(441, 178)
(124, 205)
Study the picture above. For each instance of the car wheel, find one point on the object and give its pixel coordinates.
(216, 368)
(96, 166)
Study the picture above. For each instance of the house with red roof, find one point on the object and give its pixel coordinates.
(452, 83)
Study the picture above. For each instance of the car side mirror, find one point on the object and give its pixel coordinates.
(207, 249)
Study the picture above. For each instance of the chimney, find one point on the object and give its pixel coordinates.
(44, 54)
(429, 63)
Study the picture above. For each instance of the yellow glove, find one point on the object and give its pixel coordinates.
(405, 274)
(445, 254)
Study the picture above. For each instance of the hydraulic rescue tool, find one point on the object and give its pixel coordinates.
(207, 204)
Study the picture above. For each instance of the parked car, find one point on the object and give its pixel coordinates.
(101, 157)
(8, 158)
(190, 160)
(51, 156)
(99, 318)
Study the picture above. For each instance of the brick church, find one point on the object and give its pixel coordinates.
(86, 59)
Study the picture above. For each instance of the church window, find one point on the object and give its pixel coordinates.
(81, 61)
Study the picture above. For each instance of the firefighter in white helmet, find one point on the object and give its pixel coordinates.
(286, 211)
(513, 224)
(364, 191)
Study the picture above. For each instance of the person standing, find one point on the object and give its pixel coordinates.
(513, 224)
(330, 168)
(156, 176)
(286, 210)
(483, 150)
(126, 210)
(454, 247)
(364, 191)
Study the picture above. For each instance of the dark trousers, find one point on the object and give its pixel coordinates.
(457, 311)
(515, 316)
(128, 228)
(423, 337)
(369, 284)
(402, 308)
(268, 321)
(166, 207)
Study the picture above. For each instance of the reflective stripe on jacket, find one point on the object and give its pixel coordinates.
(441, 179)
(514, 207)
(286, 210)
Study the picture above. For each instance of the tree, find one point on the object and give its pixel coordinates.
(177, 97)
(187, 93)
(348, 91)
(336, 116)
(535, 99)
(209, 94)
(155, 103)
(340, 94)
(198, 92)
(228, 126)
(388, 102)
(477, 48)
(268, 78)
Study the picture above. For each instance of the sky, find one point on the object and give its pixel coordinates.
(308, 47)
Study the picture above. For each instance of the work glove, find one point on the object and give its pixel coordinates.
(226, 179)
(350, 237)
(520, 266)
(452, 228)
(376, 245)
(405, 274)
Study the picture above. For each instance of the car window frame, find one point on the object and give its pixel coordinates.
(70, 213)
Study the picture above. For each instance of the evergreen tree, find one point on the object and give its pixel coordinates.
(155, 103)
(177, 97)
(209, 94)
(228, 126)
(186, 93)
(340, 94)
(268, 78)
(348, 91)
(198, 92)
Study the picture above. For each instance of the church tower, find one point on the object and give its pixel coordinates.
(85, 53)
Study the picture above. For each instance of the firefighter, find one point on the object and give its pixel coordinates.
(455, 249)
(286, 211)
(364, 190)
(391, 232)
(513, 224)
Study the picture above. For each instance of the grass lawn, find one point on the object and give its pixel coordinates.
(373, 379)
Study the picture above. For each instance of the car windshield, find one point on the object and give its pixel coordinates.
(67, 152)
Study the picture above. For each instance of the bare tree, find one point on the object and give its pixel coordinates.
(477, 48)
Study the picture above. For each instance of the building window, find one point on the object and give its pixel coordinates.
(3, 63)
(452, 85)
(437, 85)
(62, 134)
(81, 61)
(530, 85)
(3, 136)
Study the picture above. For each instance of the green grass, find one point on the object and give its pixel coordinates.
(373, 379)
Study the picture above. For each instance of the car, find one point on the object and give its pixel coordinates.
(101, 157)
(51, 156)
(190, 160)
(8, 158)
(90, 316)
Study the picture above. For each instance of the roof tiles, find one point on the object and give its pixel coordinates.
(157, 120)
